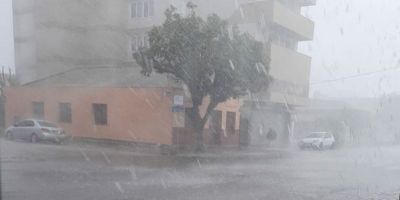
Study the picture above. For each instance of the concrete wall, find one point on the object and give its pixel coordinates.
(134, 114)
(52, 36)
(141, 115)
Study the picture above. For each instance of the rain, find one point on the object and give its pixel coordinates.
(200, 99)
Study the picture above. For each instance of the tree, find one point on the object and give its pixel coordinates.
(210, 59)
(5, 81)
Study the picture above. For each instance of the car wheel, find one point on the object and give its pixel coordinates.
(321, 146)
(34, 138)
(9, 135)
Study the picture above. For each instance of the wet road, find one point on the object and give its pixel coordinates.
(48, 172)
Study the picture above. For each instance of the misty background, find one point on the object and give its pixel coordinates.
(354, 52)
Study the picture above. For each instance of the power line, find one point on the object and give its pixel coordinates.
(355, 76)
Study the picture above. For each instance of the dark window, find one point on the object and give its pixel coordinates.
(230, 122)
(100, 114)
(133, 9)
(142, 8)
(146, 9)
(65, 113)
(38, 110)
(29, 123)
(151, 8)
(139, 9)
(26, 123)
(216, 120)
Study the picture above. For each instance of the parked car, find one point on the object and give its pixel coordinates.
(318, 140)
(36, 130)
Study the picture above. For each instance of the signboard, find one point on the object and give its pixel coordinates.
(178, 100)
(178, 120)
(178, 109)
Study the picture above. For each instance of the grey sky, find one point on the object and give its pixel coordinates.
(6, 34)
(351, 37)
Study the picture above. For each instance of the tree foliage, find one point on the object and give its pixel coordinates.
(211, 58)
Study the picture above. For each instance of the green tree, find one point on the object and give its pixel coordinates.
(6, 80)
(210, 58)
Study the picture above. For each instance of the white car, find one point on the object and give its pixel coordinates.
(318, 140)
(36, 130)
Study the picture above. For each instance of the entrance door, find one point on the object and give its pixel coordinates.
(244, 132)
(216, 127)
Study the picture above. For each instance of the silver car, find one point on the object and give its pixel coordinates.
(36, 130)
(318, 140)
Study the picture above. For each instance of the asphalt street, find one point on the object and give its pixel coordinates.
(49, 172)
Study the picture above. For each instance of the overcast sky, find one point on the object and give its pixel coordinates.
(6, 34)
(355, 37)
(351, 37)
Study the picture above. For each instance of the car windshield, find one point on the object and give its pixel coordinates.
(47, 124)
(317, 135)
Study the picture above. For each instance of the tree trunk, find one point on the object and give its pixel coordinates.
(199, 139)
(197, 128)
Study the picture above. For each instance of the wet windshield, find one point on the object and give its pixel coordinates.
(317, 135)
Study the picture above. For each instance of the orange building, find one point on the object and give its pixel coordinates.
(118, 104)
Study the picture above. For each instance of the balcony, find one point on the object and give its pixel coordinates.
(299, 25)
(276, 15)
(289, 65)
(291, 73)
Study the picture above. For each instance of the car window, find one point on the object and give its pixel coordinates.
(20, 124)
(316, 135)
(26, 123)
(29, 123)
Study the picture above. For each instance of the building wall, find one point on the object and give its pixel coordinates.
(141, 115)
(53, 36)
(134, 114)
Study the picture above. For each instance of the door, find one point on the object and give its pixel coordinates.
(216, 127)
(24, 129)
(28, 129)
(18, 129)
(244, 137)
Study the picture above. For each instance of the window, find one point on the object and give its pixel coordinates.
(133, 10)
(65, 113)
(138, 41)
(146, 9)
(142, 8)
(38, 110)
(216, 120)
(100, 114)
(230, 122)
(25, 123)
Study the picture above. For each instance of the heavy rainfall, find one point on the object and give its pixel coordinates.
(200, 99)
